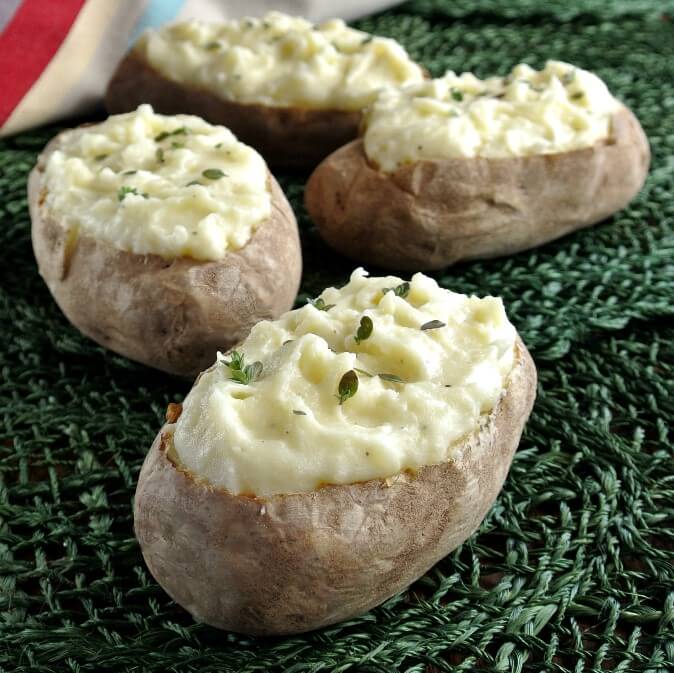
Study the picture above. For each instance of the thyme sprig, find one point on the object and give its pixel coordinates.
(240, 371)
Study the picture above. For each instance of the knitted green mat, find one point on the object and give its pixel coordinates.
(573, 568)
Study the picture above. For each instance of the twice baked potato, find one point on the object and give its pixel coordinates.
(458, 168)
(335, 456)
(162, 238)
(292, 90)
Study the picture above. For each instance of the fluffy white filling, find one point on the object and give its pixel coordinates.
(280, 60)
(557, 109)
(432, 364)
(173, 186)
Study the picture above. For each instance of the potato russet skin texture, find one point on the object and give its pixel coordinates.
(291, 137)
(292, 563)
(173, 315)
(430, 214)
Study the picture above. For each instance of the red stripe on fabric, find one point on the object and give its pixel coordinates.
(28, 44)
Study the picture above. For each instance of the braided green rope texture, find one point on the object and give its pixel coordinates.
(573, 568)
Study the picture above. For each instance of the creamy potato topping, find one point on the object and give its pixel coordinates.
(280, 60)
(369, 380)
(557, 109)
(173, 186)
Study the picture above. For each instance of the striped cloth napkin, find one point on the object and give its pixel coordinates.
(56, 56)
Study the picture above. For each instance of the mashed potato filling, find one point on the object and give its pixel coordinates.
(173, 186)
(427, 364)
(557, 109)
(280, 60)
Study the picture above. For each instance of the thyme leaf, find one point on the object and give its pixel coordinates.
(319, 303)
(125, 190)
(348, 386)
(364, 329)
(393, 378)
(182, 131)
(214, 174)
(433, 324)
(401, 290)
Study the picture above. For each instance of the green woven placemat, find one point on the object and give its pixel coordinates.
(573, 568)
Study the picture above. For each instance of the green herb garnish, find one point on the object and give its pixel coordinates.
(177, 146)
(241, 372)
(401, 290)
(457, 95)
(212, 45)
(364, 329)
(160, 155)
(393, 378)
(577, 96)
(125, 190)
(319, 303)
(362, 371)
(100, 157)
(129, 172)
(218, 146)
(182, 131)
(348, 386)
(367, 40)
(193, 182)
(433, 324)
(214, 174)
(297, 412)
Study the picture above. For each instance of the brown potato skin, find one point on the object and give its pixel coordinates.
(291, 137)
(170, 314)
(292, 563)
(430, 214)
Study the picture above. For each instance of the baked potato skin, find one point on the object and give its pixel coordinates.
(291, 137)
(170, 314)
(431, 214)
(293, 563)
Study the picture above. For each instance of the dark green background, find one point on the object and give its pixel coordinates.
(572, 570)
